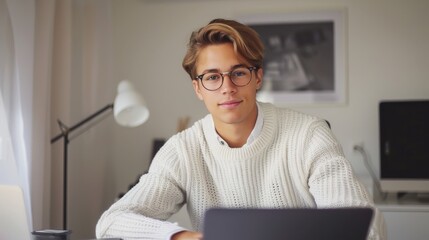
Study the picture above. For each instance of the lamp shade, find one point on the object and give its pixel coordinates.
(129, 107)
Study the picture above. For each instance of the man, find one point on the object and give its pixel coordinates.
(243, 154)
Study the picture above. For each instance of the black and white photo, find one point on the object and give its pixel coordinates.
(305, 59)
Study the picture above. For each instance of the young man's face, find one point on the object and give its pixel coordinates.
(229, 104)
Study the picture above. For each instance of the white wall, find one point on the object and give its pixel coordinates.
(388, 58)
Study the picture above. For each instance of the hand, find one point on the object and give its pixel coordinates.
(187, 235)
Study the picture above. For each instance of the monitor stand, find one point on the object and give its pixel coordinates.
(417, 197)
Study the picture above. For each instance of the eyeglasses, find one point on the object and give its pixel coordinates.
(240, 77)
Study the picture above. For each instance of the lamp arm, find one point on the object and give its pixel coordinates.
(67, 130)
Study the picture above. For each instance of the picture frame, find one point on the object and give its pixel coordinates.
(305, 61)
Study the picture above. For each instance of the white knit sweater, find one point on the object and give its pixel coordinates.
(294, 162)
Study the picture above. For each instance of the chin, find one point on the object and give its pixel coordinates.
(231, 119)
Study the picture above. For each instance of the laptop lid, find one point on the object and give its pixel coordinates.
(287, 224)
(13, 216)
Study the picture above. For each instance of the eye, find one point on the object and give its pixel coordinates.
(239, 72)
(211, 77)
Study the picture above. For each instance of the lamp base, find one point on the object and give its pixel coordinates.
(51, 234)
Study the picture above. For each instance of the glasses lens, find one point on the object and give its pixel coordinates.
(241, 76)
(212, 81)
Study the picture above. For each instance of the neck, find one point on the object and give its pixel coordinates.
(236, 134)
(234, 137)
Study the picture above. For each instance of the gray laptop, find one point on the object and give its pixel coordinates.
(287, 224)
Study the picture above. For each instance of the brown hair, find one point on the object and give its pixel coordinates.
(245, 40)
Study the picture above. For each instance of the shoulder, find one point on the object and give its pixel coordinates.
(290, 119)
(192, 134)
(172, 159)
(187, 142)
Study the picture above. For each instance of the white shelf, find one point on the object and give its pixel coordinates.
(406, 217)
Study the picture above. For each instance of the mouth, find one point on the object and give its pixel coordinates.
(230, 104)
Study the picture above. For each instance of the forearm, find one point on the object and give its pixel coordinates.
(129, 225)
(142, 212)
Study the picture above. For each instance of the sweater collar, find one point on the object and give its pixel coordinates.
(260, 142)
(253, 135)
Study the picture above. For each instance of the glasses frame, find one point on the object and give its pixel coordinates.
(251, 69)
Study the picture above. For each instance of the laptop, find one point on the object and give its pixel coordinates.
(13, 215)
(287, 224)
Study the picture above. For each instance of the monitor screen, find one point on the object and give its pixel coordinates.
(404, 141)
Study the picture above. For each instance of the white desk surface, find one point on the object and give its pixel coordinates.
(406, 203)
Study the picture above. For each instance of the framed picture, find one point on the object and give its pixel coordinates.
(305, 57)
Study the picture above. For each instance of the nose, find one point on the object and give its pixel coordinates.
(228, 86)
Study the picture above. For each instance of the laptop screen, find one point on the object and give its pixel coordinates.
(285, 224)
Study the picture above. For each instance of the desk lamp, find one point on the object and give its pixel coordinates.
(129, 110)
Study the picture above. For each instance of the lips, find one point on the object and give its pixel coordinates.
(230, 104)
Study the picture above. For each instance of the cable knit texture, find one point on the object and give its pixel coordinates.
(295, 162)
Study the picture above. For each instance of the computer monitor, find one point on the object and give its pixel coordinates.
(404, 149)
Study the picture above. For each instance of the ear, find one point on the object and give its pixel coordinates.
(197, 89)
(259, 76)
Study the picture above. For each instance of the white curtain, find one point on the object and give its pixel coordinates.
(16, 95)
(55, 61)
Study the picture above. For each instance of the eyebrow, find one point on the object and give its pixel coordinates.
(217, 70)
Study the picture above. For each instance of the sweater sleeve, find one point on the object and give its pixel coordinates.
(142, 212)
(331, 179)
